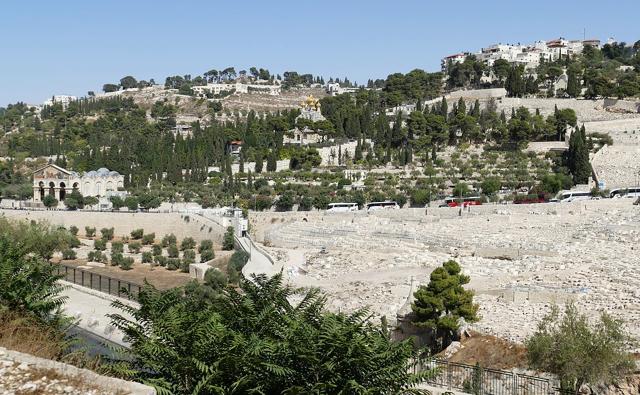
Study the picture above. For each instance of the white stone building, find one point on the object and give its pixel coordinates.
(58, 182)
(62, 99)
(303, 136)
(237, 87)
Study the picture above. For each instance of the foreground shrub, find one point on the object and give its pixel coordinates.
(74, 230)
(134, 247)
(156, 249)
(188, 243)
(206, 256)
(160, 260)
(68, 254)
(229, 241)
(107, 233)
(126, 263)
(100, 245)
(173, 251)
(205, 245)
(97, 256)
(173, 263)
(267, 338)
(148, 239)
(168, 240)
(147, 257)
(116, 259)
(578, 352)
(89, 232)
(28, 283)
(137, 234)
(117, 247)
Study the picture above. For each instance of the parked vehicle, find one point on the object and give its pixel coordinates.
(630, 192)
(464, 202)
(386, 205)
(530, 199)
(342, 207)
(572, 196)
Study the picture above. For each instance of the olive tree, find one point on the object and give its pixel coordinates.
(579, 352)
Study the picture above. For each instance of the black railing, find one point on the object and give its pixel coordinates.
(99, 282)
(483, 381)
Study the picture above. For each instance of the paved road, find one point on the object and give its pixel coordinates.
(258, 262)
(91, 308)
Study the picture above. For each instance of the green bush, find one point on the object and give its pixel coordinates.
(137, 234)
(68, 254)
(74, 230)
(168, 240)
(117, 247)
(116, 259)
(173, 263)
(107, 233)
(173, 251)
(97, 256)
(238, 260)
(147, 257)
(134, 247)
(73, 242)
(205, 245)
(148, 239)
(206, 256)
(160, 260)
(126, 263)
(229, 240)
(156, 250)
(28, 283)
(89, 232)
(188, 243)
(189, 254)
(184, 265)
(100, 245)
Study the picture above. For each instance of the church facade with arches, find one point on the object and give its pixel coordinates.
(58, 182)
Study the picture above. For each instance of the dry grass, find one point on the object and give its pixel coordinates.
(28, 335)
(491, 352)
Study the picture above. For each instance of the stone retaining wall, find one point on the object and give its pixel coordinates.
(123, 223)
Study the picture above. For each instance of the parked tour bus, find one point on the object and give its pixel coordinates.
(342, 207)
(530, 198)
(572, 196)
(386, 205)
(630, 192)
(464, 202)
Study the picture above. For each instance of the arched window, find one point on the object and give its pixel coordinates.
(98, 189)
(75, 186)
(87, 189)
(109, 186)
(52, 189)
(41, 185)
(63, 191)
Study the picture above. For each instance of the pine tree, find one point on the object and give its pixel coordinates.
(578, 157)
(573, 84)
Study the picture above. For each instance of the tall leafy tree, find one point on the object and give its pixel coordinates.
(254, 340)
(443, 301)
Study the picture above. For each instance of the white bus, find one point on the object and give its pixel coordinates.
(572, 196)
(386, 205)
(630, 192)
(342, 207)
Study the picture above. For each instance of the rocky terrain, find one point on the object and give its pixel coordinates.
(23, 374)
(521, 258)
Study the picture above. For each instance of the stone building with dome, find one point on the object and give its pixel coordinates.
(58, 182)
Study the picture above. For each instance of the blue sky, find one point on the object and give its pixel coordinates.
(71, 47)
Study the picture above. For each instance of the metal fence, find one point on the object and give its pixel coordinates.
(99, 282)
(483, 381)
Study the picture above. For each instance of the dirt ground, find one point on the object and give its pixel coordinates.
(490, 352)
(159, 277)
